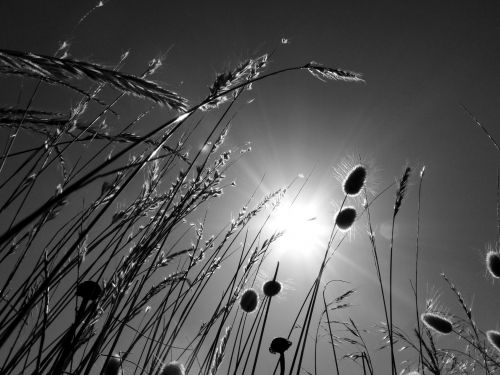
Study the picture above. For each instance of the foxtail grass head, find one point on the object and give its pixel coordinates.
(345, 218)
(173, 368)
(493, 263)
(113, 365)
(249, 300)
(354, 181)
(494, 339)
(437, 323)
(271, 288)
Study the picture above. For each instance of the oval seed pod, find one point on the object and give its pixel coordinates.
(249, 300)
(437, 323)
(345, 218)
(355, 180)
(173, 368)
(113, 366)
(271, 288)
(493, 263)
(89, 290)
(494, 339)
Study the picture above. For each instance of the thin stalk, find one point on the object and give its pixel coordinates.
(391, 337)
(420, 358)
(331, 334)
(264, 324)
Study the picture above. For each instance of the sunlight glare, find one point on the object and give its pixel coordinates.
(303, 230)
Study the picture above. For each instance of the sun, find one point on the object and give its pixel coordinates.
(303, 229)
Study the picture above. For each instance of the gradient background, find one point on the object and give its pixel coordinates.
(420, 60)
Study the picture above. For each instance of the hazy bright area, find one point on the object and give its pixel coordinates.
(420, 62)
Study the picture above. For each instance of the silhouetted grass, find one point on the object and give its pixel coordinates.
(103, 274)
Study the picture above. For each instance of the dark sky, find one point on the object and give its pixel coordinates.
(420, 61)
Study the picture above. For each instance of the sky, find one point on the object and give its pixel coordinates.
(420, 61)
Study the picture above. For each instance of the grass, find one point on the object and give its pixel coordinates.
(91, 284)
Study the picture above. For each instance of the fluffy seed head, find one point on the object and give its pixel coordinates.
(437, 322)
(173, 368)
(249, 300)
(113, 366)
(494, 339)
(271, 288)
(493, 263)
(354, 181)
(345, 218)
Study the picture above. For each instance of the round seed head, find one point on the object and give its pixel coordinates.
(249, 300)
(494, 339)
(113, 365)
(271, 288)
(493, 263)
(173, 368)
(279, 345)
(89, 290)
(437, 323)
(345, 218)
(355, 180)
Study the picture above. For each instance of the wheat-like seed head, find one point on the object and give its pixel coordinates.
(402, 187)
(324, 73)
(46, 67)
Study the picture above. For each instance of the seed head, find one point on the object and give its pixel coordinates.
(249, 300)
(437, 322)
(113, 365)
(354, 181)
(88, 290)
(279, 345)
(493, 263)
(345, 218)
(494, 339)
(271, 288)
(173, 368)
